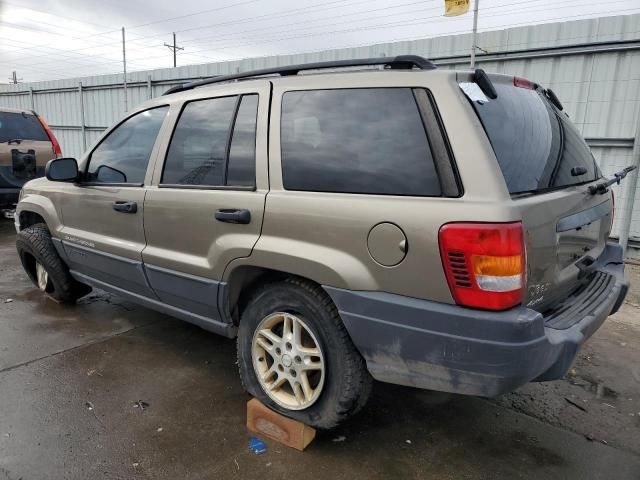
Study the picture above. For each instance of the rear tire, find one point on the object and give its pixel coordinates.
(45, 267)
(338, 385)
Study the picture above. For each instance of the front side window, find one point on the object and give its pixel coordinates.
(214, 143)
(123, 156)
(356, 141)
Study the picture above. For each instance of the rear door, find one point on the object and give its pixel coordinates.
(25, 148)
(103, 233)
(207, 202)
(546, 165)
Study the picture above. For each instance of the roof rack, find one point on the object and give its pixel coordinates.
(401, 62)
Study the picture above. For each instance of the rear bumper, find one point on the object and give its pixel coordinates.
(9, 196)
(437, 346)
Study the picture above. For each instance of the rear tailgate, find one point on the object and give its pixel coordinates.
(547, 167)
(25, 148)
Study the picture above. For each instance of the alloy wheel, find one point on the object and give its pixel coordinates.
(288, 361)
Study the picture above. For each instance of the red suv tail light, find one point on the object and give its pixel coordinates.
(54, 141)
(484, 263)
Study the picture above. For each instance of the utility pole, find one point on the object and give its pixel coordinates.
(14, 78)
(175, 48)
(124, 67)
(474, 42)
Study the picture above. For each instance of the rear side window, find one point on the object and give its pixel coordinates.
(214, 143)
(356, 141)
(123, 156)
(21, 126)
(536, 144)
(242, 153)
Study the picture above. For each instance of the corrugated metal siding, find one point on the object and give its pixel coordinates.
(613, 160)
(600, 91)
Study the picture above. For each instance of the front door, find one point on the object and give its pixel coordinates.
(103, 233)
(206, 204)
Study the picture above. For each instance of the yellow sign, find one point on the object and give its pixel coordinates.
(453, 8)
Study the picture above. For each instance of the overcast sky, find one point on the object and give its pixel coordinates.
(52, 39)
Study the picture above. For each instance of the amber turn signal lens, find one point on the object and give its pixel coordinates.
(497, 266)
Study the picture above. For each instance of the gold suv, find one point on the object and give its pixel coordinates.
(433, 228)
(26, 145)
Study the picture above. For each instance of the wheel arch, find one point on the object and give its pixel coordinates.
(34, 209)
(274, 258)
(242, 280)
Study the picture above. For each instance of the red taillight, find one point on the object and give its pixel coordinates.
(484, 263)
(523, 83)
(54, 141)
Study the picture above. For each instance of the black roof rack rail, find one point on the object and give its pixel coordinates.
(405, 62)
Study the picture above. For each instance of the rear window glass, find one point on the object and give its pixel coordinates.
(537, 146)
(356, 141)
(214, 144)
(20, 126)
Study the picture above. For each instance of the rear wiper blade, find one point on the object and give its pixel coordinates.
(601, 187)
(15, 140)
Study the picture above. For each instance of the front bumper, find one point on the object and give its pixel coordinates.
(443, 347)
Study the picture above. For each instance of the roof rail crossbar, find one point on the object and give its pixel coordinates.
(401, 62)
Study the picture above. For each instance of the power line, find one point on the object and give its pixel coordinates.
(117, 42)
(246, 2)
(421, 21)
(439, 8)
(401, 23)
(280, 14)
(370, 27)
(291, 12)
(274, 30)
(70, 59)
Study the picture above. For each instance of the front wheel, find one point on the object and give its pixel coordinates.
(45, 267)
(296, 356)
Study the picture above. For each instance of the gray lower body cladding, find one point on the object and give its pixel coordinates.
(443, 347)
(187, 297)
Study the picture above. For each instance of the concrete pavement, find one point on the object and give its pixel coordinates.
(106, 389)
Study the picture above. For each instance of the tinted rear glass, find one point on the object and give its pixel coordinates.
(20, 126)
(356, 141)
(198, 150)
(536, 144)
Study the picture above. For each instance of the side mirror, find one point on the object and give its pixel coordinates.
(62, 170)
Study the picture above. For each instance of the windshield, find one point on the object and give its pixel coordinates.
(537, 146)
(21, 126)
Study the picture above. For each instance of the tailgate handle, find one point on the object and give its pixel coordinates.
(232, 215)
(125, 207)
